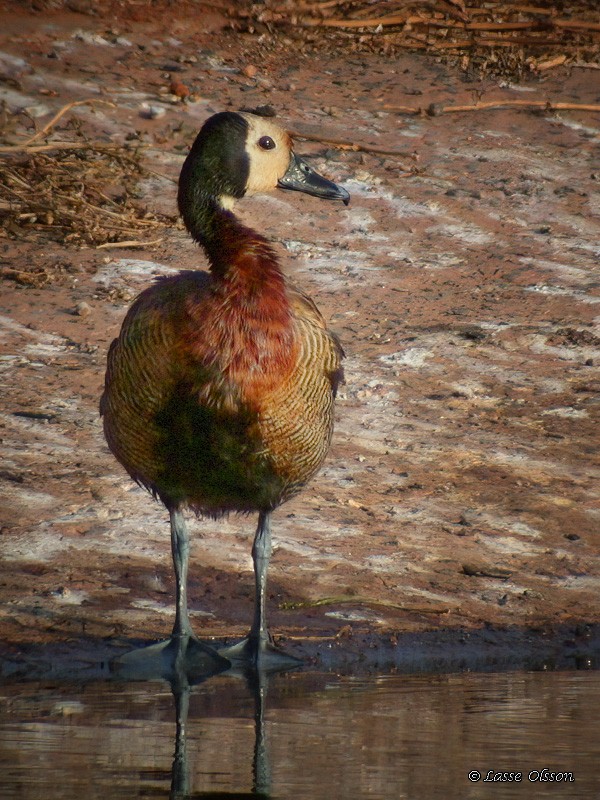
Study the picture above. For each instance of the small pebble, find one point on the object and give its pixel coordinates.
(179, 89)
(87, 37)
(83, 309)
(67, 708)
(38, 110)
(152, 112)
(435, 109)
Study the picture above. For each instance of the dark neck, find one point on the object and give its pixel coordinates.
(224, 238)
(255, 316)
(244, 264)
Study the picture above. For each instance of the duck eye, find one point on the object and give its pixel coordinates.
(266, 143)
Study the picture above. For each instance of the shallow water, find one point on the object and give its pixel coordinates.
(312, 736)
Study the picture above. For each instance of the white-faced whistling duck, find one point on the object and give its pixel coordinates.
(220, 387)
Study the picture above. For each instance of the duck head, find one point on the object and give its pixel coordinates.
(240, 153)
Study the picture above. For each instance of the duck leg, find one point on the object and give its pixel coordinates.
(180, 547)
(187, 647)
(257, 648)
(261, 555)
(182, 653)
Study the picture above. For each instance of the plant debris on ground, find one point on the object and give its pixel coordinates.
(504, 37)
(81, 196)
(84, 192)
(76, 192)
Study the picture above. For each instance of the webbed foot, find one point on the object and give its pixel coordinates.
(259, 653)
(168, 658)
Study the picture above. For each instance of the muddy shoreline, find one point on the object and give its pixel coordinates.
(456, 520)
(575, 647)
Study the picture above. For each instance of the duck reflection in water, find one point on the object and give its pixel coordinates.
(182, 680)
(257, 682)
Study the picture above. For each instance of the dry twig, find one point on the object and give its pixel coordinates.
(435, 109)
(46, 148)
(48, 127)
(365, 601)
(344, 144)
(131, 243)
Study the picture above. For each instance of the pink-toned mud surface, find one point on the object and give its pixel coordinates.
(457, 516)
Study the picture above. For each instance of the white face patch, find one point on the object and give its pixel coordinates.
(267, 164)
